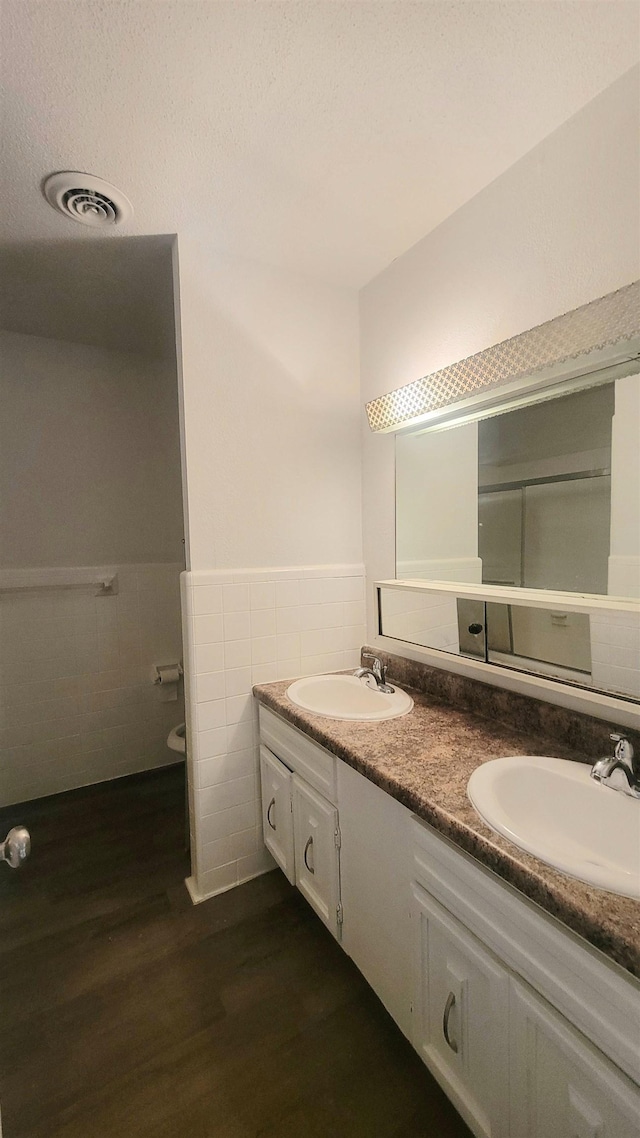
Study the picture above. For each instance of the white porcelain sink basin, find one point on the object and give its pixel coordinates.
(553, 808)
(348, 697)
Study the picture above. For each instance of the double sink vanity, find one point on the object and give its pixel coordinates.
(433, 831)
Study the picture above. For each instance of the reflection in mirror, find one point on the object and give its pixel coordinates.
(530, 639)
(598, 650)
(429, 619)
(545, 641)
(544, 494)
(539, 497)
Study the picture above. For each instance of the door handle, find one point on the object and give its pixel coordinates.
(16, 847)
(304, 856)
(269, 809)
(451, 999)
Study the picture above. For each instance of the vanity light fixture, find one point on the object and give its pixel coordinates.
(593, 344)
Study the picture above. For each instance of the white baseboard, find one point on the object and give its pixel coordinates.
(197, 897)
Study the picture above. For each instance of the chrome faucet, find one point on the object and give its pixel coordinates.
(377, 671)
(620, 772)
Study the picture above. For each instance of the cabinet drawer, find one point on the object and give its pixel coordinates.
(277, 811)
(460, 1016)
(300, 753)
(316, 837)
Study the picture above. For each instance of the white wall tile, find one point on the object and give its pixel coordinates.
(238, 681)
(255, 864)
(208, 629)
(239, 708)
(311, 617)
(207, 599)
(231, 820)
(217, 880)
(209, 658)
(235, 598)
(264, 673)
(287, 620)
(333, 615)
(354, 612)
(312, 643)
(211, 743)
(237, 626)
(210, 685)
(262, 595)
(263, 622)
(288, 646)
(287, 594)
(312, 591)
(226, 767)
(277, 623)
(239, 737)
(211, 715)
(78, 700)
(263, 649)
(221, 796)
(237, 654)
(288, 669)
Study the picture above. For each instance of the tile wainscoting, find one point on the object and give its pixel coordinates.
(77, 699)
(242, 627)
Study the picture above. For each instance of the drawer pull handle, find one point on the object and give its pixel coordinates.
(306, 850)
(269, 809)
(451, 999)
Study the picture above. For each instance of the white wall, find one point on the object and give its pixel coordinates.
(558, 229)
(90, 470)
(90, 454)
(270, 415)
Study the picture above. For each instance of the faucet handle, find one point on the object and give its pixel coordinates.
(623, 749)
(378, 668)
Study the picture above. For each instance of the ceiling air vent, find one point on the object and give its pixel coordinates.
(87, 199)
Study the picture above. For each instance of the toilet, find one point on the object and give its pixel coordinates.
(176, 739)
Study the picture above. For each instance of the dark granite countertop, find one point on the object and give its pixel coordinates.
(424, 760)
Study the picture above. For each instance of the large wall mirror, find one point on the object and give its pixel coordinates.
(531, 495)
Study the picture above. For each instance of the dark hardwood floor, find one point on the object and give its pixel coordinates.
(126, 1012)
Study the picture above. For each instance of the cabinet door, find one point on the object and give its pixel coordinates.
(375, 889)
(561, 1086)
(277, 816)
(316, 840)
(460, 1016)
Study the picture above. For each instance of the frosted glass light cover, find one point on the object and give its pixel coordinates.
(610, 320)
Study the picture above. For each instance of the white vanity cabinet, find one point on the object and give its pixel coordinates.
(277, 811)
(559, 1025)
(299, 815)
(317, 838)
(560, 1087)
(530, 1031)
(460, 1011)
(374, 875)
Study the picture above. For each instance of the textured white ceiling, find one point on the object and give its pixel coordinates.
(326, 137)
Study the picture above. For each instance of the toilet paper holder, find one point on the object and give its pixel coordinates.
(168, 673)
